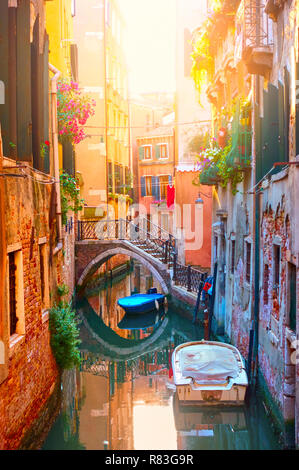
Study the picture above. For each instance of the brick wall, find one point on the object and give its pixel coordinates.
(32, 370)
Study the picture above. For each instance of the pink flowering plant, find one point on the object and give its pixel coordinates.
(73, 111)
(209, 156)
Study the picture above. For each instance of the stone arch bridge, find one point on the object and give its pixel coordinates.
(91, 254)
(154, 247)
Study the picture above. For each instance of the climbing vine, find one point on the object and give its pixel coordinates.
(70, 196)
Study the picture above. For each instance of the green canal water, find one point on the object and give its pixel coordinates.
(123, 397)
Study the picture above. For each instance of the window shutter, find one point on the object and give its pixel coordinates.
(143, 187)
(24, 85)
(46, 163)
(141, 153)
(158, 152)
(156, 187)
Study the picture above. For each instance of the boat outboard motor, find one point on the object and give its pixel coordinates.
(153, 290)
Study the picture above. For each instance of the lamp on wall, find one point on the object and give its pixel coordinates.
(199, 201)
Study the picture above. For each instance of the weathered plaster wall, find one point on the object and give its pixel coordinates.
(278, 227)
(233, 302)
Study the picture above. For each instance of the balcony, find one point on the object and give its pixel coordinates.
(254, 37)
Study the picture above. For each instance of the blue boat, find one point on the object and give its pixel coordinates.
(141, 303)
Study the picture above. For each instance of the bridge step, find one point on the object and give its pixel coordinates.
(152, 251)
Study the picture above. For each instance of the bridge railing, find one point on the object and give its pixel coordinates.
(188, 276)
(150, 237)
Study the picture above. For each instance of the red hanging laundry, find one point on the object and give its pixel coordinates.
(170, 196)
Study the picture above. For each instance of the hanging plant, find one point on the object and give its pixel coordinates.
(73, 111)
(70, 196)
(222, 163)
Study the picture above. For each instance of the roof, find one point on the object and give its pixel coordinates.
(157, 132)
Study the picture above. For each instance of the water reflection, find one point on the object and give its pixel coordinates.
(123, 393)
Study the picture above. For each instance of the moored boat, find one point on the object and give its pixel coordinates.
(209, 373)
(141, 303)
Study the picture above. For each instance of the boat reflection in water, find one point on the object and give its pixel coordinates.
(210, 428)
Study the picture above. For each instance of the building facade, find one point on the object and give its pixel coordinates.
(252, 71)
(192, 119)
(33, 243)
(156, 177)
(103, 159)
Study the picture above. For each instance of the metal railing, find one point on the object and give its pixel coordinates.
(187, 276)
(149, 238)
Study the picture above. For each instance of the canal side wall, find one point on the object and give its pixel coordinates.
(31, 371)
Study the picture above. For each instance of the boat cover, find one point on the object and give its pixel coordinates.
(208, 363)
(139, 299)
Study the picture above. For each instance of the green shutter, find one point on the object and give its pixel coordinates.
(143, 186)
(24, 117)
(287, 111)
(270, 129)
(4, 108)
(68, 158)
(46, 163)
(158, 152)
(141, 153)
(297, 111)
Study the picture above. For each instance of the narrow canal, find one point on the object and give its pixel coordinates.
(122, 397)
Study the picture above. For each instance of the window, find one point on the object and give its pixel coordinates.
(276, 264)
(148, 185)
(215, 248)
(73, 8)
(15, 296)
(266, 284)
(117, 178)
(147, 152)
(163, 151)
(44, 277)
(164, 182)
(233, 255)
(12, 294)
(110, 178)
(165, 222)
(248, 262)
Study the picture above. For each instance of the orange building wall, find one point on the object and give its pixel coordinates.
(187, 193)
(155, 167)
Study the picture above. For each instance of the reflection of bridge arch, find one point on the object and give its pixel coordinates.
(99, 339)
(91, 255)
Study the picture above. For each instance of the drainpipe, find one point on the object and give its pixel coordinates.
(54, 79)
(256, 228)
(2, 247)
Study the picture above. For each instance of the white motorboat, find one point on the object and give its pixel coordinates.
(209, 373)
